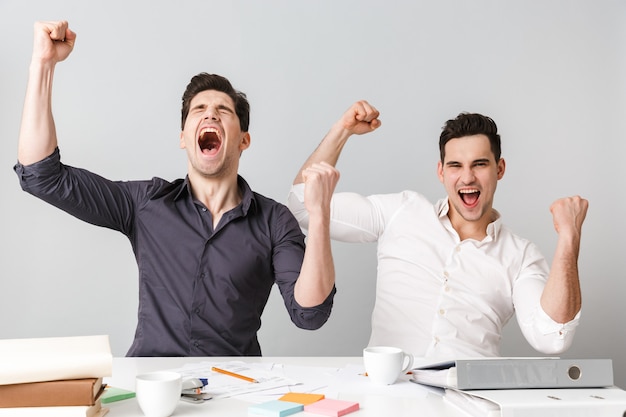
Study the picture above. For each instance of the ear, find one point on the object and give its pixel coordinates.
(440, 171)
(182, 141)
(501, 168)
(245, 142)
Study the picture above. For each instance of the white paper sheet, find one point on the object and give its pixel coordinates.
(222, 386)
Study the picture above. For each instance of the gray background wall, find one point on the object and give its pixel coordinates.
(551, 73)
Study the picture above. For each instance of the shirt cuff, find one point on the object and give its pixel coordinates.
(32, 176)
(547, 325)
(49, 164)
(297, 190)
(312, 318)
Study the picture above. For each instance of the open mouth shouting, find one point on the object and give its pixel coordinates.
(469, 196)
(209, 141)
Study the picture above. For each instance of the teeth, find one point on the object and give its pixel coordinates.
(468, 191)
(208, 129)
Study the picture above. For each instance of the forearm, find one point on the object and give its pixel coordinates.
(561, 297)
(359, 119)
(317, 275)
(327, 151)
(37, 137)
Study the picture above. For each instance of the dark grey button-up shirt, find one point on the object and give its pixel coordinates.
(201, 290)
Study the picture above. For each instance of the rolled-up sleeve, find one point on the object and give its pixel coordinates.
(540, 330)
(546, 335)
(288, 255)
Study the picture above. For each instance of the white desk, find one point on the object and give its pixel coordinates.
(375, 402)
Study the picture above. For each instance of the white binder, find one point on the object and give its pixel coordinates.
(516, 373)
(566, 402)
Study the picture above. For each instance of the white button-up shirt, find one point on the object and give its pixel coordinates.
(438, 296)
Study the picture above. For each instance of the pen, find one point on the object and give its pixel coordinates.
(225, 372)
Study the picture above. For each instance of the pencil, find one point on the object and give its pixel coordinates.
(225, 372)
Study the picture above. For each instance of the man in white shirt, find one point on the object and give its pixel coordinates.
(451, 275)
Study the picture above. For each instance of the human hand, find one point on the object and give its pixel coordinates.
(320, 180)
(53, 41)
(360, 118)
(568, 214)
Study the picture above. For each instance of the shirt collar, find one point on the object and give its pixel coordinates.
(247, 199)
(442, 208)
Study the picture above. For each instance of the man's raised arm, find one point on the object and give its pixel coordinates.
(561, 297)
(53, 42)
(360, 118)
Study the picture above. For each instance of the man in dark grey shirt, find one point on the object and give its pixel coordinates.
(208, 248)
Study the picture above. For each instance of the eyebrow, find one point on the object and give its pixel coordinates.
(219, 107)
(480, 160)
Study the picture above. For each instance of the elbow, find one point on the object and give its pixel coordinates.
(310, 320)
(298, 210)
(555, 344)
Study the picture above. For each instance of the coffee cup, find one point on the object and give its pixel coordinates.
(158, 393)
(384, 364)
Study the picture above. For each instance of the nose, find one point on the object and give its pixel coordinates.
(467, 175)
(211, 114)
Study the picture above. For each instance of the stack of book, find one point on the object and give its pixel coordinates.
(54, 376)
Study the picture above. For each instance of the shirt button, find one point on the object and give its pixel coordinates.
(197, 311)
(458, 248)
(446, 288)
(442, 312)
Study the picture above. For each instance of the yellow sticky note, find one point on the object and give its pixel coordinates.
(301, 398)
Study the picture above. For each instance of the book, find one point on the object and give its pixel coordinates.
(113, 394)
(301, 398)
(516, 373)
(54, 358)
(331, 407)
(95, 410)
(556, 402)
(51, 393)
(275, 408)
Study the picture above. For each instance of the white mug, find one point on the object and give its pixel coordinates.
(384, 364)
(158, 393)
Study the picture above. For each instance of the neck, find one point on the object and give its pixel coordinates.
(470, 229)
(218, 195)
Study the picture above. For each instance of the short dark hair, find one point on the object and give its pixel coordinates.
(203, 82)
(468, 124)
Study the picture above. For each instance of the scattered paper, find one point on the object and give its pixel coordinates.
(223, 386)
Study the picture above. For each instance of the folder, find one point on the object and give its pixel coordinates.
(559, 402)
(516, 373)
